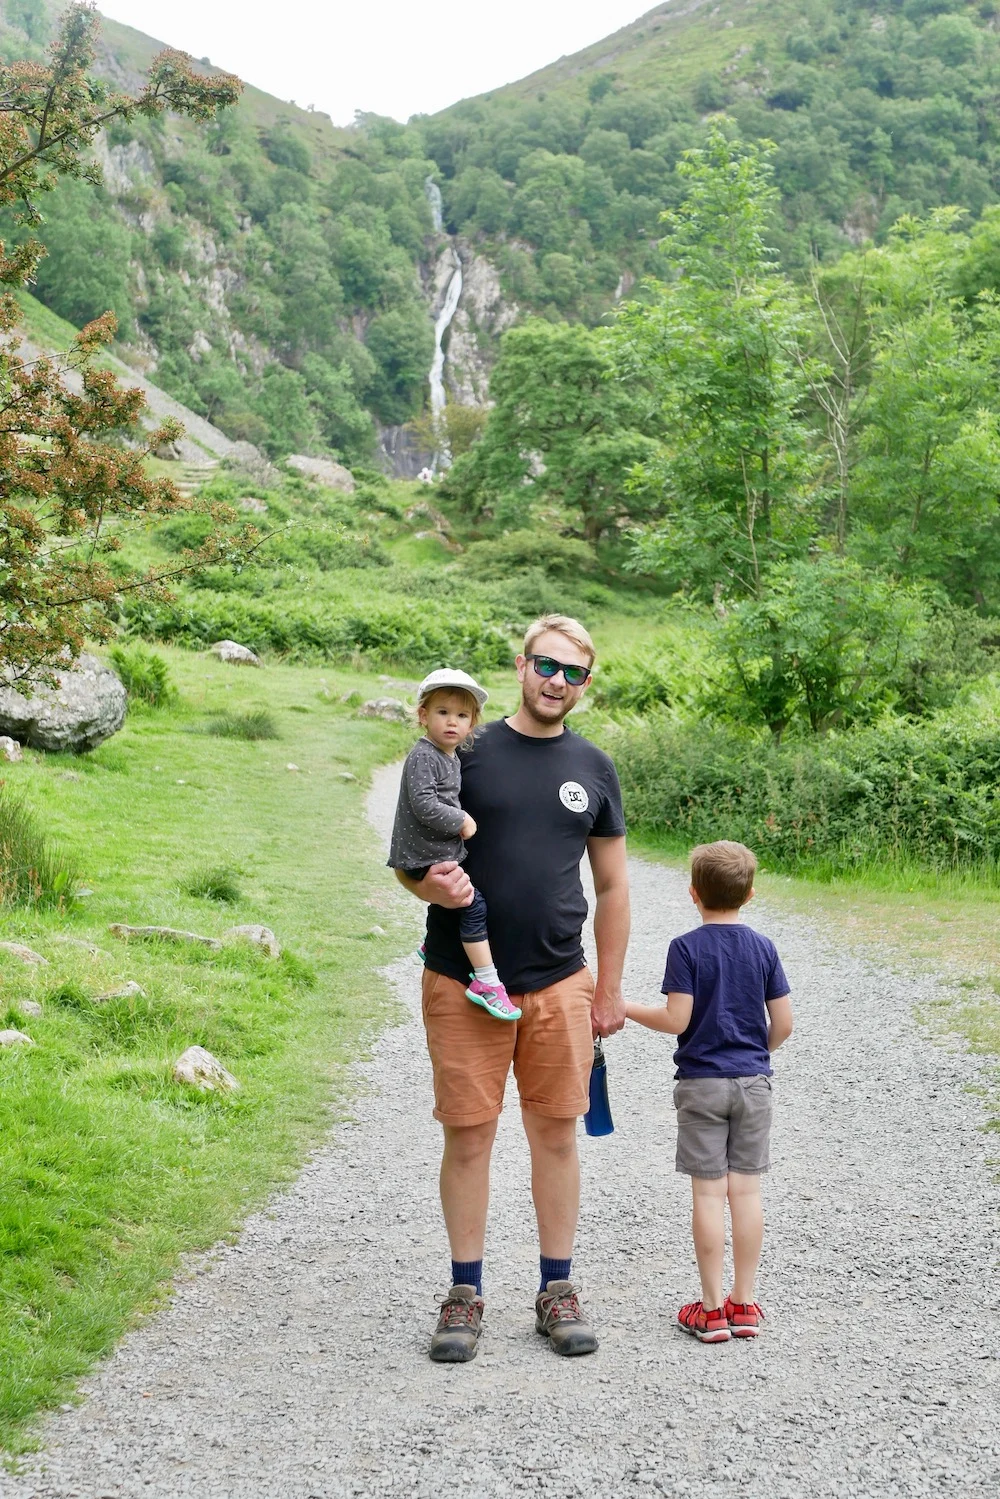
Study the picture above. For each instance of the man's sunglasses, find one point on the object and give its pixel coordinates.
(547, 666)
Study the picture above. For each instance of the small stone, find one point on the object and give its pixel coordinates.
(83, 892)
(69, 775)
(30, 1008)
(345, 775)
(162, 934)
(26, 954)
(376, 931)
(131, 990)
(10, 749)
(15, 1038)
(290, 766)
(333, 475)
(90, 947)
(389, 708)
(252, 505)
(199, 1069)
(235, 654)
(261, 936)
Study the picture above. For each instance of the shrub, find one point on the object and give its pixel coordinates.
(255, 723)
(32, 871)
(215, 884)
(410, 633)
(896, 792)
(144, 674)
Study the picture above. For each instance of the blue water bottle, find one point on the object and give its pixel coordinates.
(597, 1120)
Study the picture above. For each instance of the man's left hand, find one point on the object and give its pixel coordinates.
(607, 1013)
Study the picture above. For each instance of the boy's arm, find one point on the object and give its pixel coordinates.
(779, 1021)
(674, 1017)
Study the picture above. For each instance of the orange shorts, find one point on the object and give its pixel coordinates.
(551, 1047)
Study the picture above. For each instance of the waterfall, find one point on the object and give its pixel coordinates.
(442, 458)
(437, 207)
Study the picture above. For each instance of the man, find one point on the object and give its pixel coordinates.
(540, 796)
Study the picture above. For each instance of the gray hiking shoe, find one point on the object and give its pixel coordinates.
(459, 1325)
(560, 1318)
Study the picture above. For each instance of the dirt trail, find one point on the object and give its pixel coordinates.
(293, 1365)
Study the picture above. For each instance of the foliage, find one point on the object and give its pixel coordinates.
(33, 872)
(715, 348)
(69, 483)
(894, 793)
(829, 643)
(145, 675)
(217, 883)
(560, 435)
(252, 724)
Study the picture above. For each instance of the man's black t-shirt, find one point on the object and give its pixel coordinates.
(536, 802)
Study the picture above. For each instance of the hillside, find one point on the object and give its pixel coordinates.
(282, 277)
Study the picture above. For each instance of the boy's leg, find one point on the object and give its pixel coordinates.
(747, 1216)
(708, 1227)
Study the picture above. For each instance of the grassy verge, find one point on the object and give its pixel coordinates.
(946, 924)
(109, 1170)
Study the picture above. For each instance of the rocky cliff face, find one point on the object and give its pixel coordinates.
(483, 315)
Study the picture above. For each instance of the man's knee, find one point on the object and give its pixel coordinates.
(467, 1144)
(555, 1137)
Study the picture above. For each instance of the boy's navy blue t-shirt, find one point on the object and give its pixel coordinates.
(732, 971)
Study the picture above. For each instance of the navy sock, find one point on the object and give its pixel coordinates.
(553, 1270)
(468, 1273)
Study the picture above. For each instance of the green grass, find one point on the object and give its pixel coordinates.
(110, 1170)
(256, 724)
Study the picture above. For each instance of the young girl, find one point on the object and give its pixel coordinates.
(430, 825)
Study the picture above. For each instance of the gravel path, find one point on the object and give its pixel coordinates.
(292, 1365)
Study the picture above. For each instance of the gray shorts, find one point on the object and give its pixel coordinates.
(723, 1125)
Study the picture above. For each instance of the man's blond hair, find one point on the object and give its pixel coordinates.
(563, 625)
(722, 873)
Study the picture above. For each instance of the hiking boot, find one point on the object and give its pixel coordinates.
(706, 1326)
(560, 1318)
(459, 1325)
(744, 1318)
(494, 999)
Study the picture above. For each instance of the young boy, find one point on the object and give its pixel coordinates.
(430, 826)
(729, 1006)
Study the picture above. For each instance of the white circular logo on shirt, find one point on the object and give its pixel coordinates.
(573, 796)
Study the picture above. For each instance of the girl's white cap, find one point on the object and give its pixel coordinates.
(447, 676)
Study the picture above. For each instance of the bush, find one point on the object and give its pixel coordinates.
(144, 674)
(215, 884)
(896, 792)
(32, 872)
(256, 723)
(409, 633)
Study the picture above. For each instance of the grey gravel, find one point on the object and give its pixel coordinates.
(291, 1365)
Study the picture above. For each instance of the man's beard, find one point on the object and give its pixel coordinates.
(543, 716)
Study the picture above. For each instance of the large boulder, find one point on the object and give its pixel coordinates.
(235, 654)
(324, 470)
(86, 706)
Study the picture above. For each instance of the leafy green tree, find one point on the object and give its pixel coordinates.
(401, 342)
(560, 434)
(828, 644)
(716, 350)
(68, 487)
(283, 405)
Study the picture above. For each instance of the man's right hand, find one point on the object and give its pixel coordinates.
(445, 884)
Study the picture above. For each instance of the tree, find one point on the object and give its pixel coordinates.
(828, 643)
(561, 434)
(716, 350)
(68, 486)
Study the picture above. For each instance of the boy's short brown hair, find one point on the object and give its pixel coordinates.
(722, 874)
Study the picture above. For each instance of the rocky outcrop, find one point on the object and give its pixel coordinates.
(162, 934)
(26, 954)
(389, 708)
(324, 470)
(15, 1038)
(10, 750)
(483, 315)
(86, 707)
(260, 936)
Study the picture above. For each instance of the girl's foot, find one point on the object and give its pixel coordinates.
(494, 999)
(422, 952)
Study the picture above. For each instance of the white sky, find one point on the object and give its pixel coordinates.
(392, 57)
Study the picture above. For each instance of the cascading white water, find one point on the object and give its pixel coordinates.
(439, 397)
(437, 206)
